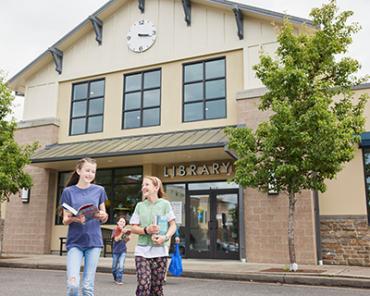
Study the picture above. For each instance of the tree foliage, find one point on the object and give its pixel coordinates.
(13, 157)
(315, 121)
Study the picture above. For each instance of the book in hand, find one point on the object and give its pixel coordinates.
(88, 210)
(127, 234)
(118, 232)
(162, 223)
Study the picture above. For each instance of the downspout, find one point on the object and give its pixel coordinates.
(316, 209)
(242, 245)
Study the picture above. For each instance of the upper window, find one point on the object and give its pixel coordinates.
(142, 99)
(87, 107)
(204, 90)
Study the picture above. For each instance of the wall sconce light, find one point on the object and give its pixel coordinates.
(25, 195)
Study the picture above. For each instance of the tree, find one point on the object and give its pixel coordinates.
(13, 158)
(315, 121)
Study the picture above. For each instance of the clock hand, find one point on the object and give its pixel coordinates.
(143, 35)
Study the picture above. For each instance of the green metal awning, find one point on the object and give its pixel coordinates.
(134, 145)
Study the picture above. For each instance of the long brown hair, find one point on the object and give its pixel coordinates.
(157, 182)
(74, 177)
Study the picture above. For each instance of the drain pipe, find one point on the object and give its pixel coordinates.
(242, 245)
(317, 226)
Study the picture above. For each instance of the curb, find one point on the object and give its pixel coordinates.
(280, 278)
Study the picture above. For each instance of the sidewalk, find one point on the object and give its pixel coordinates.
(326, 275)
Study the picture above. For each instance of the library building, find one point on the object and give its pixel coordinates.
(147, 88)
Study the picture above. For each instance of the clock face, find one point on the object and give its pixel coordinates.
(141, 36)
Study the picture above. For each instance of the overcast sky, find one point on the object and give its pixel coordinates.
(29, 27)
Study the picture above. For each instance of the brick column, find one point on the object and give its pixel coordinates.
(27, 227)
(266, 220)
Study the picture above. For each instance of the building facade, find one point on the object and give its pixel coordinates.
(147, 88)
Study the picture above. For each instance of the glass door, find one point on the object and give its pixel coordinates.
(197, 233)
(212, 228)
(226, 229)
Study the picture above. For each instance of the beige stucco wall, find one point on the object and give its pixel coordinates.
(171, 101)
(41, 95)
(345, 194)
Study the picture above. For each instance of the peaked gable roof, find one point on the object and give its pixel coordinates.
(18, 80)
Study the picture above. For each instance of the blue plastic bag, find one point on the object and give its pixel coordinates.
(176, 262)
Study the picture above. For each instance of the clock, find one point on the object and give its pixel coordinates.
(141, 36)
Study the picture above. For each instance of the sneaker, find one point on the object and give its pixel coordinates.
(119, 282)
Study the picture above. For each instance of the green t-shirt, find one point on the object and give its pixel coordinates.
(147, 211)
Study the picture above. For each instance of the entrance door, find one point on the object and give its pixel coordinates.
(212, 230)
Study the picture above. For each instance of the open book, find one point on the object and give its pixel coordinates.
(88, 210)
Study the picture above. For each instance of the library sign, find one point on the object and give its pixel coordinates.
(198, 169)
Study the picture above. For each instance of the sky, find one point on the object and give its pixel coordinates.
(28, 28)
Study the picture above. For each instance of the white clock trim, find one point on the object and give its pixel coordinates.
(141, 36)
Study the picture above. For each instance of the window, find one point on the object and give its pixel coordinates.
(204, 90)
(87, 107)
(123, 188)
(367, 179)
(142, 99)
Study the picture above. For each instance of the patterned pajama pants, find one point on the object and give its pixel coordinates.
(150, 275)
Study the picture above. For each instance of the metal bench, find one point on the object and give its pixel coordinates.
(107, 242)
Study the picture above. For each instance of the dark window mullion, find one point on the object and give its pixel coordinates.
(151, 88)
(214, 99)
(151, 107)
(193, 102)
(87, 108)
(142, 100)
(217, 78)
(204, 90)
(193, 82)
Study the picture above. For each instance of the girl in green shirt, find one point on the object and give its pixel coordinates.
(154, 221)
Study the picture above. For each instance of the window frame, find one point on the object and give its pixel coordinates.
(204, 100)
(141, 90)
(87, 99)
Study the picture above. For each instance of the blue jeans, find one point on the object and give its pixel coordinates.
(74, 259)
(118, 265)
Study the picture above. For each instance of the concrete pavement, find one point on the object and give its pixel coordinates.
(325, 275)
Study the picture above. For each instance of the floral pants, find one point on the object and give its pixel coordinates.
(150, 275)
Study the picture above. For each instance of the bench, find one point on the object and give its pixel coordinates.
(107, 242)
(63, 241)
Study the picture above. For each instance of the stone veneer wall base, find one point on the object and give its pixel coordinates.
(345, 240)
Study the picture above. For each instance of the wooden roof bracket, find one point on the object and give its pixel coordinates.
(98, 28)
(142, 5)
(187, 10)
(58, 58)
(239, 21)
